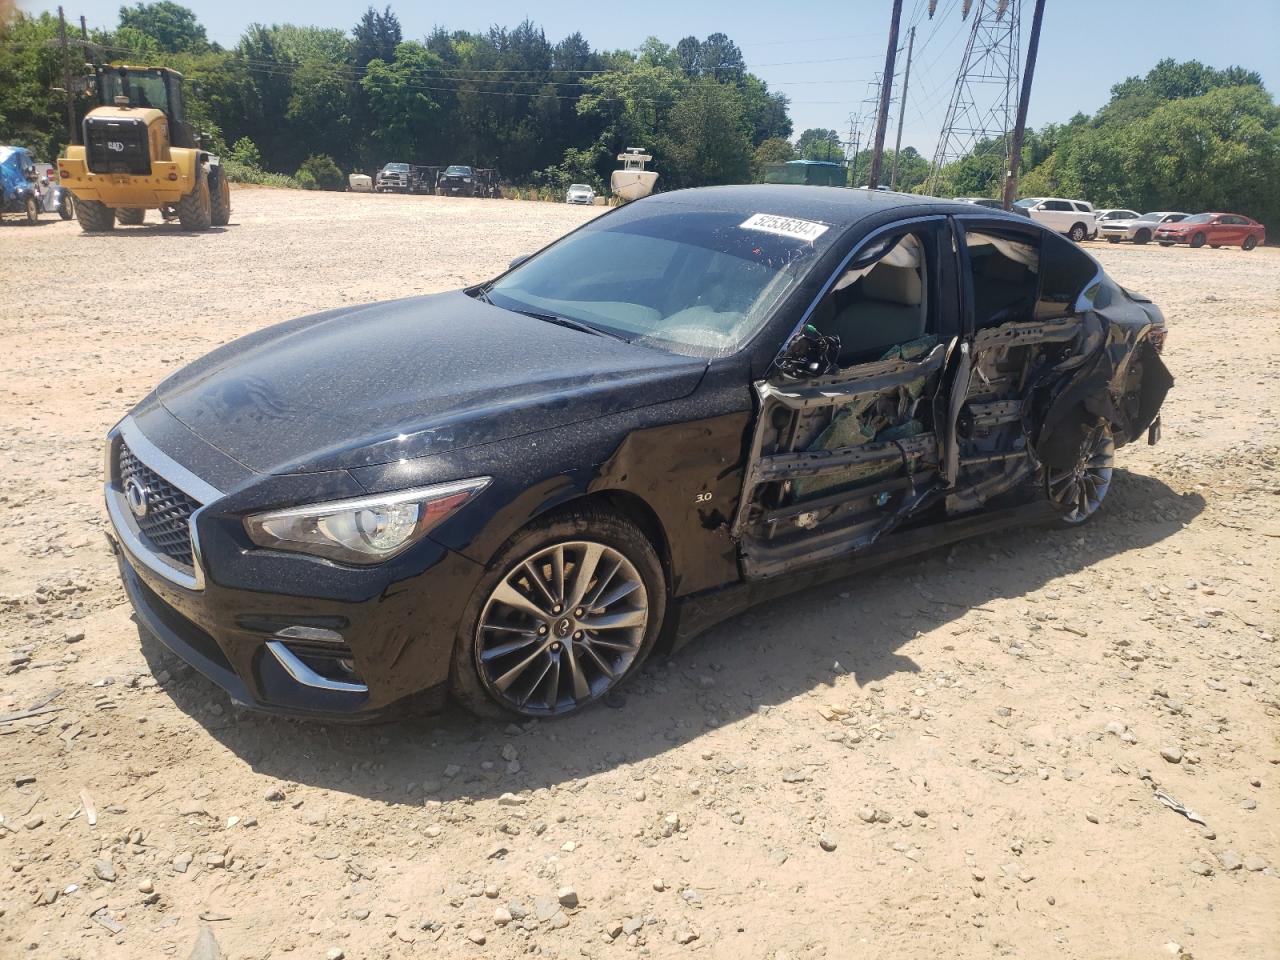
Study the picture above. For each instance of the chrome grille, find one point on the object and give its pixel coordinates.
(166, 525)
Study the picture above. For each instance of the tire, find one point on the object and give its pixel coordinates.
(518, 654)
(1113, 239)
(131, 217)
(1142, 236)
(95, 216)
(1166, 243)
(66, 208)
(31, 211)
(1249, 242)
(1215, 246)
(1078, 491)
(193, 208)
(219, 197)
(1077, 232)
(1197, 241)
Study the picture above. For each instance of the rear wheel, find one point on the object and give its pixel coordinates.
(1142, 236)
(131, 217)
(567, 612)
(194, 209)
(1198, 240)
(31, 211)
(1078, 232)
(1078, 490)
(95, 216)
(1249, 242)
(219, 197)
(66, 210)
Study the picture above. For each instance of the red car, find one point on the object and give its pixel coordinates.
(1215, 229)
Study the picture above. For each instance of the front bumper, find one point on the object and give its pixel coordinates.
(291, 634)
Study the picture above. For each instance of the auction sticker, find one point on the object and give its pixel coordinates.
(784, 226)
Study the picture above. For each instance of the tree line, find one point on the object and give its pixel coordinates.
(308, 105)
(317, 103)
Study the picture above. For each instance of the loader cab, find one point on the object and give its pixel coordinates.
(148, 87)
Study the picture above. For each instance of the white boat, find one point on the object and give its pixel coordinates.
(360, 183)
(633, 181)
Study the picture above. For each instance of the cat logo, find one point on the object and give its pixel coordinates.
(115, 145)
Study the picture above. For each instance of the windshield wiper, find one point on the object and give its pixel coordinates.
(571, 324)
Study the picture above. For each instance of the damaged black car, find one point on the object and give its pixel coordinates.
(513, 494)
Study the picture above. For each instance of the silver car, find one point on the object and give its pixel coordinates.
(580, 193)
(1139, 229)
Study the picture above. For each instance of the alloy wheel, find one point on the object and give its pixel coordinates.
(1079, 490)
(561, 628)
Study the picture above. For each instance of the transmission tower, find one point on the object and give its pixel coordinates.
(984, 102)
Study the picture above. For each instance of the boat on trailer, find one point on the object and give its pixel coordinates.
(633, 181)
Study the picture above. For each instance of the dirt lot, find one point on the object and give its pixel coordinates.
(979, 735)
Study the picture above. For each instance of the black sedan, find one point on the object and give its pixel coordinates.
(514, 493)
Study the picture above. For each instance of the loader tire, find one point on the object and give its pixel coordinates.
(193, 208)
(95, 216)
(219, 197)
(131, 217)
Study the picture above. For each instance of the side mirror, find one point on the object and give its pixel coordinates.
(518, 260)
(809, 354)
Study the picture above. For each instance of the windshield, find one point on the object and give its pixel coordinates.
(1151, 216)
(697, 283)
(578, 186)
(458, 172)
(396, 168)
(143, 88)
(1199, 218)
(1026, 202)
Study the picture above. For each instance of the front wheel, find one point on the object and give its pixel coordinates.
(1249, 242)
(65, 209)
(1078, 490)
(1077, 232)
(219, 197)
(1198, 240)
(1142, 236)
(95, 216)
(566, 613)
(31, 212)
(193, 208)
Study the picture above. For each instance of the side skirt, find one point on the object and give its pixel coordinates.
(693, 615)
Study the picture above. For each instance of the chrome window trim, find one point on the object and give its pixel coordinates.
(304, 675)
(835, 274)
(121, 516)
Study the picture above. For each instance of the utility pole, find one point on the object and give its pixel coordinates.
(84, 31)
(886, 88)
(1020, 125)
(902, 110)
(66, 77)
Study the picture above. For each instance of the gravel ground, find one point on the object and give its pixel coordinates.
(958, 757)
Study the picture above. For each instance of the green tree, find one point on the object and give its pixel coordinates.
(818, 143)
(774, 150)
(401, 100)
(320, 172)
(173, 27)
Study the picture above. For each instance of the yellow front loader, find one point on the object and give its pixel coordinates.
(139, 154)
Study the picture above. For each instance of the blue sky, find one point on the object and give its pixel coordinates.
(825, 54)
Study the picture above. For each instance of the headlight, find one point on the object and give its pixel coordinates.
(364, 530)
(466, 179)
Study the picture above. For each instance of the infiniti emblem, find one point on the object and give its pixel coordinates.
(563, 627)
(137, 495)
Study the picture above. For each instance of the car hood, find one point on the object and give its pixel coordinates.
(390, 381)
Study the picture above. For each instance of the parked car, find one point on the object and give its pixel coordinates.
(992, 204)
(1139, 229)
(19, 186)
(403, 178)
(518, 491)
(1215, 229)
(457, 180)
(1071, 217)
(579, 193)
(1102, 217)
